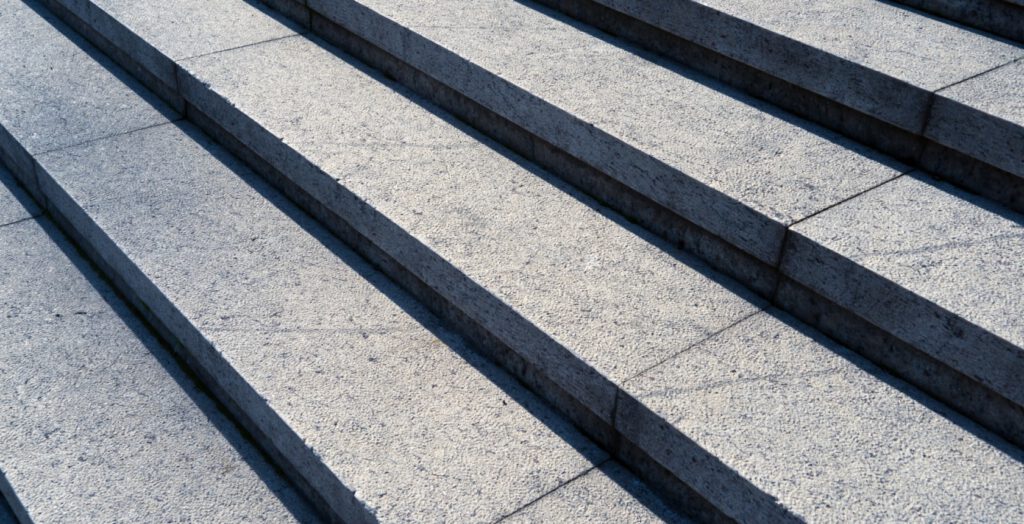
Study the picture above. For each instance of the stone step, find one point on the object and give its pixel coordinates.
(376, 410)
(100, 423)
(596, 314)
(1000, 17)
(742, 173)
(805, 163)
(846, 65)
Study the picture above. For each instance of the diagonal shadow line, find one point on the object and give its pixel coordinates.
(175, 367)
(933, 404)
(450, 121)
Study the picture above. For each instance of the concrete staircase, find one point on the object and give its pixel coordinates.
(483, 262)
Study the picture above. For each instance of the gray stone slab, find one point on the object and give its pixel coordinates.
(58, 90)
(1000, 17)
(984, 118)
(100, 424)
(728, 163)
(572, 290)
(831, 437)
(930, 264)
(873, 56)
(154, 33)
(15, 205)
(607, 493)
(377, 406)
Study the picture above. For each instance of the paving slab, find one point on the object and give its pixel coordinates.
(607, 493)
(984, 117)
(874, 56)
(734, 166)
(938, 268)
(1004, 18)
(176, 29)
(100, 423)
(826, 433)
(15, 205)
(586, 297)
(58, 90)
(377, 406)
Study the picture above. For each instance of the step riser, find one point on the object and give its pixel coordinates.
(956, 389)
(759, 276)
(308, 471)
(300, 179)
(907, 142)
(707, 506)
(303, 468)
(995, 16)
(485, 342)
(723, 256)
(873, 131)
(296, 180)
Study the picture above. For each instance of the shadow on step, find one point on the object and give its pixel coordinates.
(920, 397)
(180, 372)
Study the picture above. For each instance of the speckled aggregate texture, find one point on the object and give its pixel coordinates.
(56, 94)
(396, 407)
(186, 28)
(984, 117)
(734, 166)
(954, 262)
(154, 33)
(1000, 17)
(873, 56)
(100, 425)
(921, 50)
(615, 298)
(14, 203)
(607, 493)
(830, 435)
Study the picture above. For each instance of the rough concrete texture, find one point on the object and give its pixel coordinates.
(154, 33)
(830, 436)
(14, 203)
(732, 165)
(984, 117)
(873, 56)
(58, 91)
(607, 493)
(933, 265)
(187, 28)
(471, 222)
(1000, 17)
(344, 367)
(100, 424)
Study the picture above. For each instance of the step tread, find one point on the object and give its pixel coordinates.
(606, 292)
(293, 324)
(921, 50)
(998, 138)
(390, 162)
(100, 423)
(634, 108)
(876, 57)
(956, 252)
(94, 101)
(310, 327)
(824, 430)
(295, 103)
(1001, 17)
(604, 494)
(200, 26)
